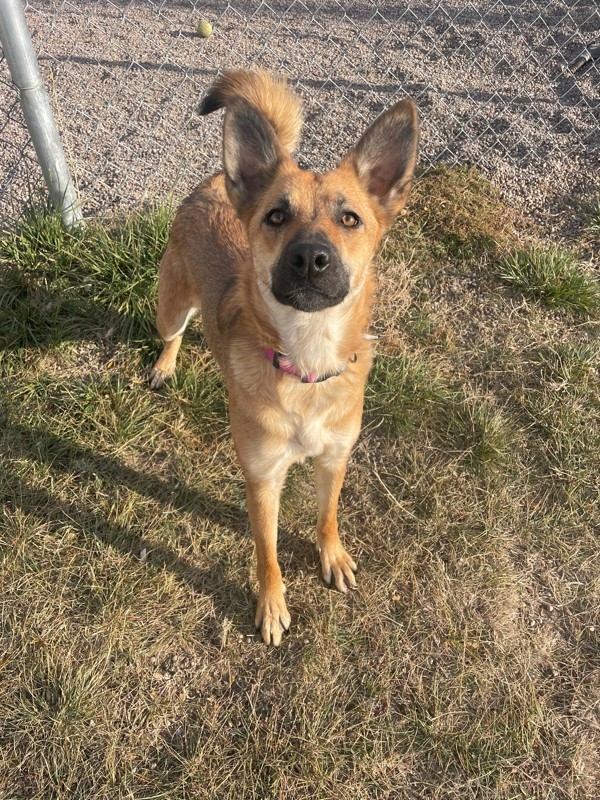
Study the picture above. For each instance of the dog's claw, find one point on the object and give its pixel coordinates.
(339, 566)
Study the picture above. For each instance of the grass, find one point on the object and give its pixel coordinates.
(56, 282)
(553, 276)
(594, 224)
(465, 666)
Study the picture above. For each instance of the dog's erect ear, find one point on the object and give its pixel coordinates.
(251, 152)
(386, 154)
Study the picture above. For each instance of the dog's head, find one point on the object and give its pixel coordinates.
(312, 236)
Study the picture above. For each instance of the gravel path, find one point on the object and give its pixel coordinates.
(490, 79)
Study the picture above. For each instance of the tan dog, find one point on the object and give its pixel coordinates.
(279, 261)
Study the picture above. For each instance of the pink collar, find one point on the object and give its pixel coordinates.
(281, 361)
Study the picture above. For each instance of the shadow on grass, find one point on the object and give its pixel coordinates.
(37, 445)
(39, 315)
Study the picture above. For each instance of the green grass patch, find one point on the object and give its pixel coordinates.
(594, 222)
(553, 276)
(403, 394)
(407, 399)
(569, 366)
(56, 281)
(480, 433)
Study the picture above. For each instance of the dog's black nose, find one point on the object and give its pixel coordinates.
(309, 260)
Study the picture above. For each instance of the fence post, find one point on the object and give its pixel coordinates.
(22, 62)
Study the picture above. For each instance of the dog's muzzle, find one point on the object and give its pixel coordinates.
(310, 275)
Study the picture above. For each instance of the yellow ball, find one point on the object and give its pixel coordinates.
(204, 28)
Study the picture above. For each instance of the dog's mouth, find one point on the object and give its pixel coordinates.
(309, 298)
(310, 276)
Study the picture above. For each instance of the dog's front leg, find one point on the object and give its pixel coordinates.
(272, 616)
(336, 563)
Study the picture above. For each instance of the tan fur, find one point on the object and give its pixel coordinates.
(221, 257)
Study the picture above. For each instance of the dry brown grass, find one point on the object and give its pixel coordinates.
(467, 663)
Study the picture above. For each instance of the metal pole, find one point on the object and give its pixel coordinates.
(25, 72)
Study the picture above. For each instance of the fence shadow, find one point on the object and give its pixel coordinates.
(130, 64)
(39, 446)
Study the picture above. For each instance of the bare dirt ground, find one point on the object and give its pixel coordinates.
(491, 81)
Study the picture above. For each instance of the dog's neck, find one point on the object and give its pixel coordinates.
(319, 342)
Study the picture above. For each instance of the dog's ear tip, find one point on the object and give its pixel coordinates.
(408, 108)
(386, 154)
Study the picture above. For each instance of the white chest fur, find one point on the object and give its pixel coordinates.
(311, 341)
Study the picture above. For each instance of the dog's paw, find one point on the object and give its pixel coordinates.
(337, 565)
(158, 377)
(272, 616)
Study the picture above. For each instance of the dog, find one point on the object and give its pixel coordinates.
(278, 261)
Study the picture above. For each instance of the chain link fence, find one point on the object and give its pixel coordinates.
(491, 79)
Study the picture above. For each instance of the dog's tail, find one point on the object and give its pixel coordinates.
(271, 96)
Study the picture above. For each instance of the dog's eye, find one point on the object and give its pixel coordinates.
(350, 219)
(275, 217)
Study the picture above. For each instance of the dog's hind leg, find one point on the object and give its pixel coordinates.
(178, 301)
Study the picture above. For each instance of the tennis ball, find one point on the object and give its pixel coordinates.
(204, 28)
